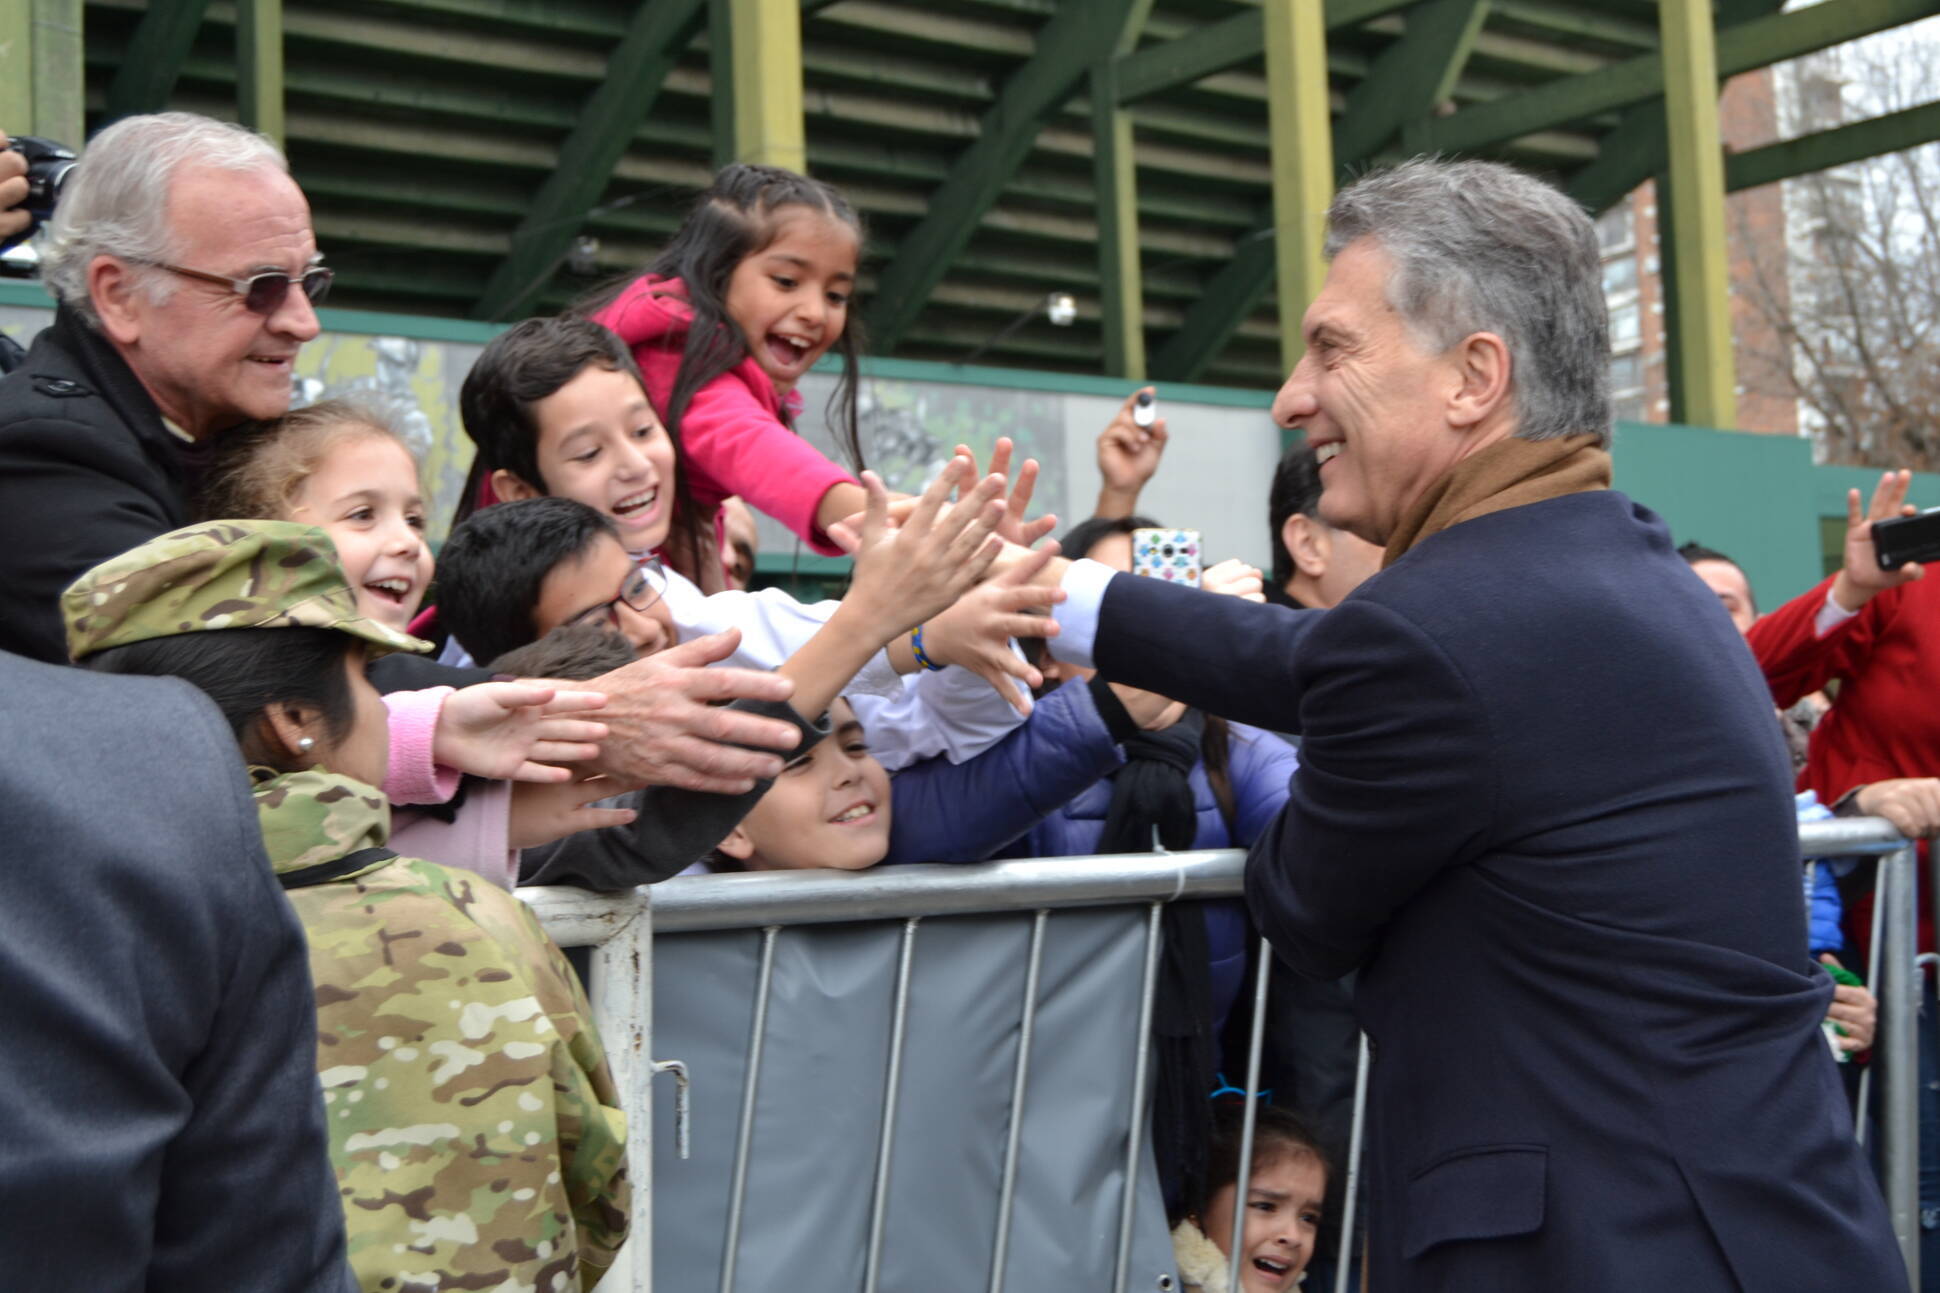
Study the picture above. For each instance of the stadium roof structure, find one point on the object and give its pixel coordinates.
(1164, 162)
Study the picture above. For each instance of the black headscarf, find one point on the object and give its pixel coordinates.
(1152, 799)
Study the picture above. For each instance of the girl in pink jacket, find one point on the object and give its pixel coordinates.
(753, 289)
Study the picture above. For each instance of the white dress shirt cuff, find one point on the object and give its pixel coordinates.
(1077, 615)
(1831, 616)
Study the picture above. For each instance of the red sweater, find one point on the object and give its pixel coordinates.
(732, 436)
(1886, 720)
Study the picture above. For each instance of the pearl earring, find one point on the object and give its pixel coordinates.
(306, 743)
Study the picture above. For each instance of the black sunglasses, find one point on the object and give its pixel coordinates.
(261, 293)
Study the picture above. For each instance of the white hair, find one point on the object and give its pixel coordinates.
(1482, 247)
(116, 201)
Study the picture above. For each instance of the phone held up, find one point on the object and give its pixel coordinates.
(1901, 539)
(1167, 554)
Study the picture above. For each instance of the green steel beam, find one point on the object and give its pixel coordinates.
(653, 43)
(1121, 296)
(720, 74)
(1221, 45)
(766, 36)
(1707, 390)
(42, 89)
(1303, 160)
(162, 40)
(1740, 48)
(1403, 84)
(259, 66)
(1078, 35)
(1634, 150)
(1908, 128)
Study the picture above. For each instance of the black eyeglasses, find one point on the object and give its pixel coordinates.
(261, 293)
(640, 591)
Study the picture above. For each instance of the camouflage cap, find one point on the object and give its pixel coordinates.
(220, 575)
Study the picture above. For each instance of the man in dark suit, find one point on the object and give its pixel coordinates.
(1542, 807)
(160, 1122)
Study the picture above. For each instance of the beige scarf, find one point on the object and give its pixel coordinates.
(1509, 473)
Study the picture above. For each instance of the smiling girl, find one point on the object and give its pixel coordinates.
(753, 289)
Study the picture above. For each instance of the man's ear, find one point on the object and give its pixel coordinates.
(737, 845)
(1482, 368)
(508, 487)
(1308, 543)
(112, 284)
(286, 727)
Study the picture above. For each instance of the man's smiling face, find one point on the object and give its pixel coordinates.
(1371, 398)
(204, 357)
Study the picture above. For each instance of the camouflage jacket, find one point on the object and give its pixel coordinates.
(474, 1124)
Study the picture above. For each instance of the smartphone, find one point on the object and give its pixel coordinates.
(1167, 554)
(1901, 539)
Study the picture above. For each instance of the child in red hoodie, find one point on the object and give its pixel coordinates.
(753, 289)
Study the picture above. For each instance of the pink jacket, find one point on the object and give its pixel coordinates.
(732, 436)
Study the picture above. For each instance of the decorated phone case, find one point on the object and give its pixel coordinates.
(1167, 554)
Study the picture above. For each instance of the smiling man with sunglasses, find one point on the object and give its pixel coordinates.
(186, 273)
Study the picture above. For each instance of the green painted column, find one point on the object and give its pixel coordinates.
(1121, 291)
(1705, 393)
(1301, 136)
(42, 91)
(767, 69)
(259, 66)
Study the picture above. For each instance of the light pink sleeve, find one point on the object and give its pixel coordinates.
(413, 778)
(475, 840)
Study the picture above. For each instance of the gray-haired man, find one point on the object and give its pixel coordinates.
(185, 269)
(1541, 807)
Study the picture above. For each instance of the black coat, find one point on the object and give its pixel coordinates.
(87, 471)
(1543, 808)
(160, 1122)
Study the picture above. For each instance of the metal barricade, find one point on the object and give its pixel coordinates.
(621, 928)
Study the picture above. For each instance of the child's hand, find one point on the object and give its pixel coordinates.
(513, 730)
(1014, 528)
(542, 813)
(975, 633)
(904, 575)
(1234, 578)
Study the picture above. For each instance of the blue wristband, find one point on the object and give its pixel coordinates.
(916, 646)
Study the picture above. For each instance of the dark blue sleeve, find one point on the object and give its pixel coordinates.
(1221, 654)
(1395, 783)
(965, 812)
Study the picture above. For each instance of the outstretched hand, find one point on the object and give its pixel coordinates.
(668, 730)
(516, 731)
(1860, 579)
(976, 632)
(905, 574)
(1011, 527)
(544, 813)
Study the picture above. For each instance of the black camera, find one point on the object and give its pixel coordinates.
(48, 166)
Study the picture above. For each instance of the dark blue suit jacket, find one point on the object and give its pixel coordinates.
(161, 1128)
(1544, 808)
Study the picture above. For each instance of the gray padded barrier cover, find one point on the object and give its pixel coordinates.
(805, 1222)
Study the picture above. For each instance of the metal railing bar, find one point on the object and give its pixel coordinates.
(1881, 884)
(1899, 1005)
(1141, 1077)
(1344, 1259)
(1242, 1187)
(744, 1137)
(752, 899)
(879, 1210)
(1026, 1029)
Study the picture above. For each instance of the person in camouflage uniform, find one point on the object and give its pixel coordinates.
(473, 1120)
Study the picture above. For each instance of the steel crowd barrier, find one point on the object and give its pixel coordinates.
(621, 929)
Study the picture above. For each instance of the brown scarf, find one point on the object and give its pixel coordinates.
(1509, 473)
